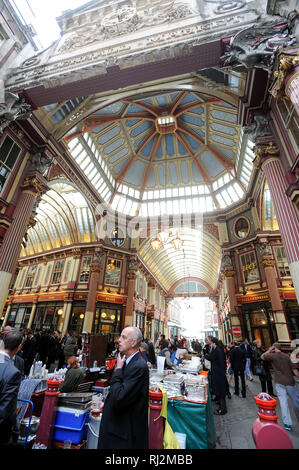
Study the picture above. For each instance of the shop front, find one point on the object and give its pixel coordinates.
(108, 319)
(77, 317)
(48, 316)
(140, 321)
(19, 315)
(258, 321)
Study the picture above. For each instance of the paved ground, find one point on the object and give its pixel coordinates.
(234, 430)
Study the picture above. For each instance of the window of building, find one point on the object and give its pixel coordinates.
(112, 276)
(77, 317)
(9, 152)
(30, 276)
(47, 315)
(67, 270)
(282, 262)
(249, 267)
(19, 315)
(140, 320)
(108, 319)
(56, 278)
(268, 216)
(290, 119)
(85, 268)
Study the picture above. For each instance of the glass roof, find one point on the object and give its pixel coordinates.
(164, 153)
(62, 218)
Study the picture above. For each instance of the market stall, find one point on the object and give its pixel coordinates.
(189, 408)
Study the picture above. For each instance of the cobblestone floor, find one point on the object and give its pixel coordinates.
(234, 430)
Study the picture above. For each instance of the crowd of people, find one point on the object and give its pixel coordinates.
(49, 347)
(127, 401)
(242, 361)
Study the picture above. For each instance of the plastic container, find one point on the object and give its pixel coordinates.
(70, 425)
(70, 417)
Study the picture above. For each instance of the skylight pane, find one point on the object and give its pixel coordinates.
(169, 207)
(238, 190)
(226, 197)
(220, 200)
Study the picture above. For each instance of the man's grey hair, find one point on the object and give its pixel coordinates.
(136, 334)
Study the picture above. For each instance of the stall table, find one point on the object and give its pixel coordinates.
(193, 419)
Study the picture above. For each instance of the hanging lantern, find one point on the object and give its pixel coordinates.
(163, 236)
(82, 316)
(156, 244)
(60, 311)
(177, 243)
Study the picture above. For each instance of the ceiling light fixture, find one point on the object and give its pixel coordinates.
(156, 244)
(163, 236)
(177, 243)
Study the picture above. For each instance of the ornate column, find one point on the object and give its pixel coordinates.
(67, 307)
(94, 279)
(32, 313)
(229, 274)
(287, 79)
(287, 217)
(131, 278)
(268, 264)
(33, 187)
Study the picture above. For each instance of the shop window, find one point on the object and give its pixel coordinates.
(139, 320)
(107, 320)
(85, 268)
(282, 262)
(47, 315)
(22, 278)
(77, 317)
(249, 267)
(19, 315)
(30, 276)
(9, 152)
(56, 278)
(112, 275)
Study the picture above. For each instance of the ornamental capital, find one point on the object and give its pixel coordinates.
(131, 276)
(34, 185)
(229, 273)
(268, 263)
(95, 267)
(264, 150)
(286, 63)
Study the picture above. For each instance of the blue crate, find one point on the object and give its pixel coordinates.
(70, 417)
(76, 433)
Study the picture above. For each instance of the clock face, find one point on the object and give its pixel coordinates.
(117, 237)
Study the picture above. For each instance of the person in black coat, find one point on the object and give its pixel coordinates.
(266, 378)
(28, 352)
(151, 352)
(218, 376)
(10, 379)
(124, 423)
(238, 363)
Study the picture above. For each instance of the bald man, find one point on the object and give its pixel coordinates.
(124, 423)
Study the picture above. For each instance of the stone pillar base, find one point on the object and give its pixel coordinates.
(88, 319)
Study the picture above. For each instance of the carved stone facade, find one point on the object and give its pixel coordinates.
(127, 35)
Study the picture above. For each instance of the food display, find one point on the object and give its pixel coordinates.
(185, 386)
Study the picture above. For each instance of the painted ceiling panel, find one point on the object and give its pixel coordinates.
(120, 166)
(169, 144)
(135, 174)
(111, 109)
(144, 125)
(115, 145)
(212, 165)
(222, 140)
(173, 173)
(198, 178)
(103, 139)
(184, 173)
(162, 175)
(118, 155)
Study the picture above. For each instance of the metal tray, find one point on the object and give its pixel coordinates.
(76, 397)
(71, 404)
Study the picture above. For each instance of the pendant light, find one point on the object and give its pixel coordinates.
(156, 244)
(177, 243)
(163, 236)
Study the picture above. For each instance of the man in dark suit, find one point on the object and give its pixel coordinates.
(238, 362)
(124, 423)
(29, 351)
(10, 379)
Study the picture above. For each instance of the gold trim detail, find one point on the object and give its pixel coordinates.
(285, 66)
